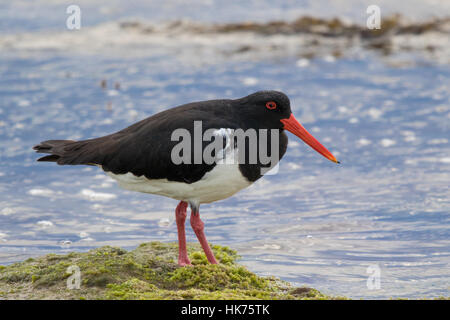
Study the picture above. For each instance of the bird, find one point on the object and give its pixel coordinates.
(150, 156)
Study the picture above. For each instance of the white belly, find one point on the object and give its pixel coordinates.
(221, 182)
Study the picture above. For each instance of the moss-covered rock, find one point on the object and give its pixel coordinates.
(148, 272)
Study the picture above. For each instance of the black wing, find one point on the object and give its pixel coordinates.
(145, 147)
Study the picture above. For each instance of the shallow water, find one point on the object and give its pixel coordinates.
(314, 223)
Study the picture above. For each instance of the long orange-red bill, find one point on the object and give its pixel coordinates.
(292, 125)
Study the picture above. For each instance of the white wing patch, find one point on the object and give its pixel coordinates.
(229, 152)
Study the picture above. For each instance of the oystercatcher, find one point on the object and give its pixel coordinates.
(145, 157)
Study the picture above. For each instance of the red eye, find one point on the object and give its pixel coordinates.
(271, 105)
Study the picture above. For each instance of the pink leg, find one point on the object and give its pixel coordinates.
(180, 217)
(198, 226)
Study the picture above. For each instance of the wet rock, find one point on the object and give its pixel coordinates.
(147, 272)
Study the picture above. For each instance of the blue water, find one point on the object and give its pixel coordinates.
(314, 223)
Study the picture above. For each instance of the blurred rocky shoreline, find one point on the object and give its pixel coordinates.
(306, 37)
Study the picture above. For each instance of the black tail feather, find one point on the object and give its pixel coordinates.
(51, 158)
(47, 146)
(59, 150)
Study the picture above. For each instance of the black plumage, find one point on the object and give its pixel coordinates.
(144, 148)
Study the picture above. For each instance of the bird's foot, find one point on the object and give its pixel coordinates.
(184, 262)
(211, 258)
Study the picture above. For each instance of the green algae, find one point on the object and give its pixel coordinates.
(148, 272)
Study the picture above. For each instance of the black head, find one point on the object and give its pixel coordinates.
(265, 107)
(272, 110)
